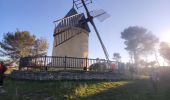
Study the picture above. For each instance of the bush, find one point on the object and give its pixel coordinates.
(98, 67)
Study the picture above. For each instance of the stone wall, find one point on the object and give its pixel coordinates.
(67, 75)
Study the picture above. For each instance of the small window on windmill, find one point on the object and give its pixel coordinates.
(59, 38)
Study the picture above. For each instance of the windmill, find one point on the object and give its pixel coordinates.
(71, 32)
(83, 3)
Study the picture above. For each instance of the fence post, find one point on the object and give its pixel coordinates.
(65, 62)
(85, 68)
(20, 61)
(45, 63)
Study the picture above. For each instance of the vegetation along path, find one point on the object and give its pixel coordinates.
(84, 90)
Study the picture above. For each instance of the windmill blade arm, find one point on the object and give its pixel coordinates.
(101, 42)
(78, 3)
(92, 22)
(101, 15)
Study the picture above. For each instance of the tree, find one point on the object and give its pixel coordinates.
(144, 63)
(20, 44)
(40, 47)
(165, 51)
(116, 56)
(138, 41)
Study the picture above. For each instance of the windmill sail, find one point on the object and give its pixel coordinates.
(90, 19)
(101, 15)
(79, 4)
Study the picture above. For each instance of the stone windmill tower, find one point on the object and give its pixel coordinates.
(71, 36)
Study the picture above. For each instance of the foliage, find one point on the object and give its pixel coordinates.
(147, 64)
(139, 41)
(165, 51)
(21, 44)
(116, 56)
(40, 47)
(98, 66)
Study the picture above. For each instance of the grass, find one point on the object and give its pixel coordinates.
(85, 90)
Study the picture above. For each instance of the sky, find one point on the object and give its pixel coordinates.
(37, 16)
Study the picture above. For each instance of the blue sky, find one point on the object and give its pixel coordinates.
(37, 16)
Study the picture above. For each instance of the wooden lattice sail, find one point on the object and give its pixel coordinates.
(71, 36)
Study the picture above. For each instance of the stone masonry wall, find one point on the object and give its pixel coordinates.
(67, 75)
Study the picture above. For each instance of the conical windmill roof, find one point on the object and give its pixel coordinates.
(71, 12)
(74, 19)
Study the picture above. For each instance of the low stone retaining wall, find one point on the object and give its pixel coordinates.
(67, 75)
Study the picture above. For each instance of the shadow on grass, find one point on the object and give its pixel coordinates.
(135, 90)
